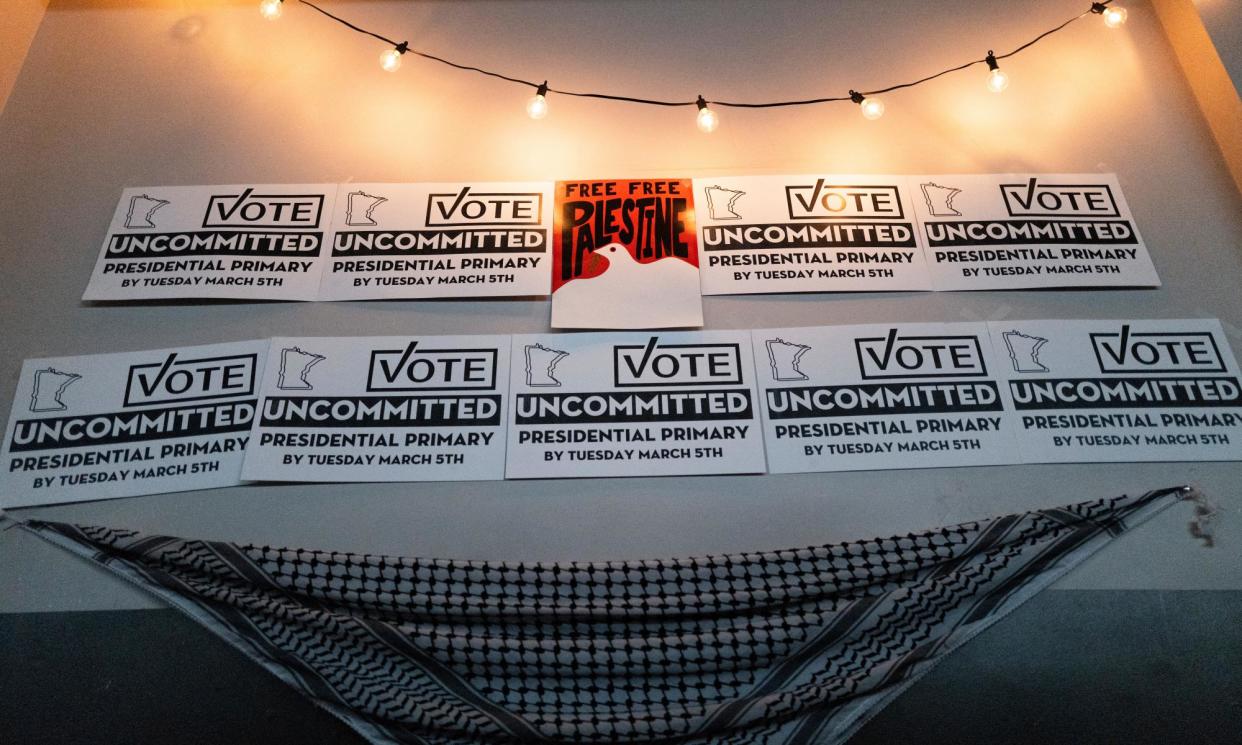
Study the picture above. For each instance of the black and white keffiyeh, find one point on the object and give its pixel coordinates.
(773, 648)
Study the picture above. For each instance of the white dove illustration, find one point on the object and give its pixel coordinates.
(630, 295)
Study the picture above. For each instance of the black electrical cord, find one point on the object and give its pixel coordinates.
(404, 48)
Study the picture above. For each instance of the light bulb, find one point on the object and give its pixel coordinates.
(707, 120)
(537, 106)
(1114, 17)
(271, 9)
(997, 81)
(390, 60)
(872, 108)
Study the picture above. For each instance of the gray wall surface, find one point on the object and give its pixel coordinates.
(137, 92)
(1223, 21)
(1066, 667)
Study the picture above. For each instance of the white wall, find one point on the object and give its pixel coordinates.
(122, 94)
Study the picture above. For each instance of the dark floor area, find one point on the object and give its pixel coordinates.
(1068, 667)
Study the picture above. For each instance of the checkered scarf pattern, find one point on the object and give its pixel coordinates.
(768, 647)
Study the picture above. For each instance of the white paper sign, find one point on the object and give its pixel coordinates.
(244, 241)
(630, 404)
(844, 398)
(384, 408)
(1101, 391)
(121, 425)
(843, 233)
(440, 240)
(1000, 232)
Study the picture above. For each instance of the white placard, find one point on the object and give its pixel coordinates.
(131, 423)
(386, 408)
(243, 241)
(439, 240)
(1016, 231)
(1105, 391)
(845, 398)
(631, 404)
(816, 233)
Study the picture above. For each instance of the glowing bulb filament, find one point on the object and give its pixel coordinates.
(537, 106)
(271, 9)
(707, 119)
(390, 60)
(997, 81)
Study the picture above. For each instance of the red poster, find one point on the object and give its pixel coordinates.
(625, 255)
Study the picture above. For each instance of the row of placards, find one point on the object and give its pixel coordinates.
(622, 253)
(447, 408)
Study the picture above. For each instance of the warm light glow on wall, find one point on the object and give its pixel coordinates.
(871, 106)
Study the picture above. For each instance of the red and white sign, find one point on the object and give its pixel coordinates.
(625, 255)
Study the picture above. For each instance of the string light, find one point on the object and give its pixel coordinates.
(872, 107)
(271, 9)
(537, 106)
(707, 119)
(869, 103)
(390, 60)
(997, 79)
(1114, 15)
